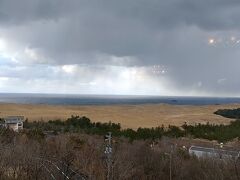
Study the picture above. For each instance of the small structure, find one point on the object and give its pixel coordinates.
(202, 152)
(14, 122)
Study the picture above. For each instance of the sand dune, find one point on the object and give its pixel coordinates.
(130, 116)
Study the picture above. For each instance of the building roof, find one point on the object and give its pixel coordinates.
(14, 119)
(215, 151)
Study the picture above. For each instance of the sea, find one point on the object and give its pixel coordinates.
(66, 99)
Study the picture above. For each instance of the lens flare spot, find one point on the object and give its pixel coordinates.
(211, 41)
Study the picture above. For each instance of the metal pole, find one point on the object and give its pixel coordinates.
(170, 168)
(109, 158)
(236, 169)
(108, 152)
(170, 162)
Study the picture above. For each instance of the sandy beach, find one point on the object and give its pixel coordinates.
(130, 116)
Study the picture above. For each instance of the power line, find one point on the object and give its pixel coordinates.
(53, 177)
(66, 175)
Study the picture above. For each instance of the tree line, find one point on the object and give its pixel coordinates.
(77, 124)
(229, 113)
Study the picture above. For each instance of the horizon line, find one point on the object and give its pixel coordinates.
(141, 95)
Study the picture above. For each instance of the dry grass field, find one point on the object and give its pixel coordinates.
(130, 116)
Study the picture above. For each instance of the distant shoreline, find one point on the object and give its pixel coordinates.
(93, 100)
(99, 105)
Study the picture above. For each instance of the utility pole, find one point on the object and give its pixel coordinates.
(108, 152)
(170, 167)
(170, 162)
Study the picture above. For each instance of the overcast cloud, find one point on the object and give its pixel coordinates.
(150, 47)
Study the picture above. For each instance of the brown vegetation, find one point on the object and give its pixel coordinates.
(130, 116)
(30, 156)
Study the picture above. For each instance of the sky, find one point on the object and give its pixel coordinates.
(128, 47)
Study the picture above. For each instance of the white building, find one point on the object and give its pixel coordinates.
(14, 122)
(201, 152)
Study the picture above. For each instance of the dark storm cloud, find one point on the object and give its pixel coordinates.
(122, 28)
(212, 14)
(173, 33)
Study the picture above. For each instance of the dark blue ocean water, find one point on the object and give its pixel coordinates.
(54, 99)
